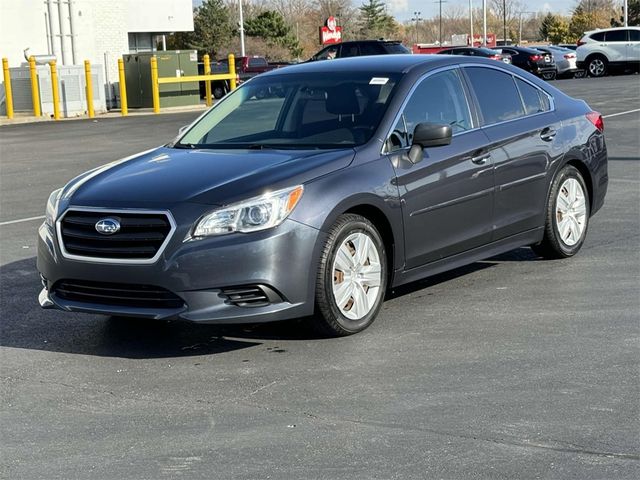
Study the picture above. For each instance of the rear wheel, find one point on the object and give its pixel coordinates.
(597, 66)
(567, 216)
(549, 75)
(352, 277)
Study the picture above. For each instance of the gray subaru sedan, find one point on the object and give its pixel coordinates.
(313, 189)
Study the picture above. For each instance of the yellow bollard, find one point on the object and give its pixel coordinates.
(155, 90)
(123, 89)
(232, 71)
(207, 83)
(54, 90)
(35, 88)
(7, 87)
(89, 83)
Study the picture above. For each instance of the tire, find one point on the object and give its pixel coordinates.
(580, 74)
(218, 92)
(566, 216)
(549, 76)
(347, 302)
(597, 66)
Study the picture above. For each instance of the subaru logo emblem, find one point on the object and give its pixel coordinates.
(108, 226)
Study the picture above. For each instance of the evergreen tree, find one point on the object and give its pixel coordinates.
(548, 22)
(375, 21)
(271, 26)
(212, 30)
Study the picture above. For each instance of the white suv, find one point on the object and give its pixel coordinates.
(601, 50)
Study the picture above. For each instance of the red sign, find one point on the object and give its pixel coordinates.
(331, 32)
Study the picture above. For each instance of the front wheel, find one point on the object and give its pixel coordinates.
(567, 216)
(352, 277)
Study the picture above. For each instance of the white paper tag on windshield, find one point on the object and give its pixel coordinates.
(378, 81)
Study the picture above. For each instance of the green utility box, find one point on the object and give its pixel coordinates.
(174, 63)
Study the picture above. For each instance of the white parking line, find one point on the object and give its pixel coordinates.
(621, 113)
(20, 220)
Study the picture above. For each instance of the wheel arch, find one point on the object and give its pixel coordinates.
(578, 163)
(381, 222)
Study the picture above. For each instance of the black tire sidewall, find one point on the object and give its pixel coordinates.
(604, 63)
(354, 224)
(566, 173)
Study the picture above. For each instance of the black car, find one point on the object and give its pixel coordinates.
(312, 190)
(477, 52)
(360, 48)
(532, 60)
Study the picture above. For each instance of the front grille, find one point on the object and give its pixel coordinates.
(140, 236)
(250, 296)
(116, 294)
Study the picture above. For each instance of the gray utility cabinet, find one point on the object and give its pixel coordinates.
(175, 63)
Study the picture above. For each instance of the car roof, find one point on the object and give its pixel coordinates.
(381, 64)
(610, 29)
(380, 40)
(522, 49)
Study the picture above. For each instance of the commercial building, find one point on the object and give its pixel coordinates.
(100, 31)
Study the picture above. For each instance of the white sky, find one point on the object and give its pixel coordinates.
(403, 9)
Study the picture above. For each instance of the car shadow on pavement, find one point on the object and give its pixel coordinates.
(24, 324)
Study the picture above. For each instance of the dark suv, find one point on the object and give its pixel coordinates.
(359, 48)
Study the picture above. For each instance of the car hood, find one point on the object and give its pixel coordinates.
(166, 176)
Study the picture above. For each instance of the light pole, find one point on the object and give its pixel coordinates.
(626, 14)
(241, 30)
(520, 28)
(416, 18)
(484, 23)
(471, 22)
(440, 2)
(504, 22)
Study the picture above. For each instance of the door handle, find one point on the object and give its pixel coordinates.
(548, 134)
(481, 159)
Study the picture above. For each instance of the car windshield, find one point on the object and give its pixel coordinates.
(306, 110)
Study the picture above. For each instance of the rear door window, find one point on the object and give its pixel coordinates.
(634, 35)
(497, 94)
(371, 49)
(616, 36)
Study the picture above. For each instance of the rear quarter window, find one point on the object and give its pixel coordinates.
(598, 37)
(532, 98)
(497, 95)
(616, 36)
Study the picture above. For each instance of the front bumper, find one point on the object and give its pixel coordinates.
(284, 259)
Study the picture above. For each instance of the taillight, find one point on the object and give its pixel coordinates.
(596, 119)
(569, 56)
(496, 57)
(580, 42)
(535, 58)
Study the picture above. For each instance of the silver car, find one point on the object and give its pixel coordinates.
(565, 59)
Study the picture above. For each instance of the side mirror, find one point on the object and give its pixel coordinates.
(182, 129)
(428, 135)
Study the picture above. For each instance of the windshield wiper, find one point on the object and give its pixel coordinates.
(189, 146)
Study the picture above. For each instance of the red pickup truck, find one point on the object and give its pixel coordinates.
(246, 68)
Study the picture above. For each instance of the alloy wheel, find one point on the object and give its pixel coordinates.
(571, 212)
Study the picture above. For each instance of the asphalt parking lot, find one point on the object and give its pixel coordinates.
(510, 368)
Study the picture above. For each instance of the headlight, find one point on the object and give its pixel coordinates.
(255, 214)
(52, 207)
